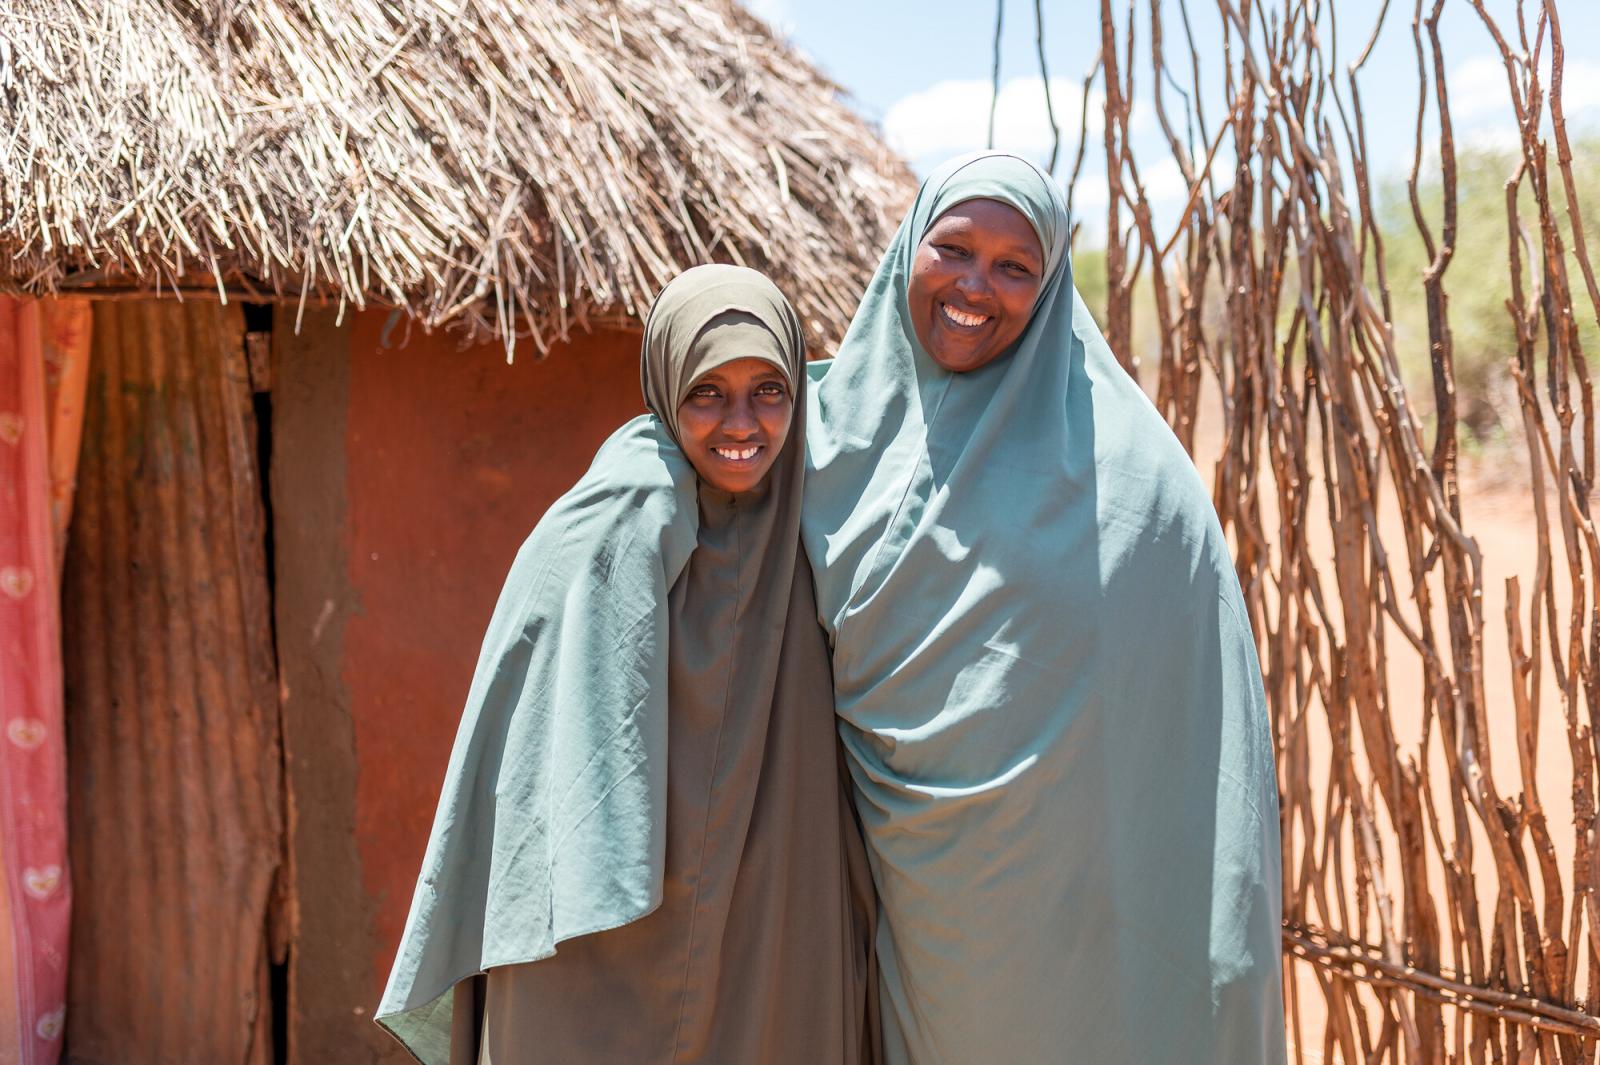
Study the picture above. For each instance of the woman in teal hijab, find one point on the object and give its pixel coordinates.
(1047, 687)
(644, 852)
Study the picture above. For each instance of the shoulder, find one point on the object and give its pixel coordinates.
(638, 469)
(640, 456)
(639, 495)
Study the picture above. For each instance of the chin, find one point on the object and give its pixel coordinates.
(962, 362)
(737, 486)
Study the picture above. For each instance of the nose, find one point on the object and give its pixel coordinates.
(740, 421)
(973, 285)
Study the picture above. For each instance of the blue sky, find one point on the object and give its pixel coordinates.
(921, 68)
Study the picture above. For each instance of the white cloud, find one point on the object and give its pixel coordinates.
(952, 117)
(1580, 87)
(1089, 199)
(1090, 193)
(1479, 89)
(1164, 181)
(1163, 184)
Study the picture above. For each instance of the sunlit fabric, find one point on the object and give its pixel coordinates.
(1047, 688)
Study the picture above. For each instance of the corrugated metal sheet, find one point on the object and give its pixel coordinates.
(175, 775)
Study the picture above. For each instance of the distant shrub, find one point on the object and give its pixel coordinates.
(1478, 281)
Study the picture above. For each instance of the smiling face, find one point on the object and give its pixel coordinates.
(974, 280)
(734, 421)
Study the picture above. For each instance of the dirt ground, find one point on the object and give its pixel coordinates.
(1501, 519)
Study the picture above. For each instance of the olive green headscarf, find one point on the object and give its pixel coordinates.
(552, 821)
(702, 321)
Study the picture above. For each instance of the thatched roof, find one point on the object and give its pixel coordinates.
(513, 165)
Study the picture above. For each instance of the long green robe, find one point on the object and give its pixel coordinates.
(1047, 688)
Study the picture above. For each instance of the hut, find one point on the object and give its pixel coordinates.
(350, 292)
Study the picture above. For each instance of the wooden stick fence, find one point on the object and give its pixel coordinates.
(1439, 907)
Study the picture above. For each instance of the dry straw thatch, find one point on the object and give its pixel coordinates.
(515, 166)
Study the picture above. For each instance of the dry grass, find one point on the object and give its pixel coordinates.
(514, 166)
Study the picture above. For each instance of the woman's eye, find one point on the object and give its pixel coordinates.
(1016, 268)
(703, 392)
(770, 390)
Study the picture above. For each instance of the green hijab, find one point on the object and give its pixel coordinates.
(1046, 684)
(552, 820)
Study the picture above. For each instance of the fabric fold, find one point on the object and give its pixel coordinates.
(552, 821)
(34, 343)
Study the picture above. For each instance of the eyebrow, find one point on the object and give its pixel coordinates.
(966, 229)
(712, 377)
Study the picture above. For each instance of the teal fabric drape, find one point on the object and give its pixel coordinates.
(552, 823)
(646, 780)
(1046, 685)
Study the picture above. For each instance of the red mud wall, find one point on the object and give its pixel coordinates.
(404, 478)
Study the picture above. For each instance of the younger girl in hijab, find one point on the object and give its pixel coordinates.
(643, 840)
(1046, 683)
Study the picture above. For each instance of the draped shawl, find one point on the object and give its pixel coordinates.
(641, 588)
(1047, 687)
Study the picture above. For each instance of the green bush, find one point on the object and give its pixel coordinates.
(1478, 280)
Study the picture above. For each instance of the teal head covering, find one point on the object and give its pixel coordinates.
(1047, 687)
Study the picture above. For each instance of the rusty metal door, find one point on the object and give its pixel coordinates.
(172, 717)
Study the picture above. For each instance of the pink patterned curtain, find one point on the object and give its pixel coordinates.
(44, 348)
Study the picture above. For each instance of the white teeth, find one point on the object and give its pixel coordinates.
(962, 317)
(738, 454)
